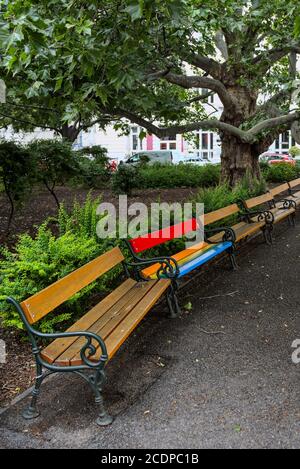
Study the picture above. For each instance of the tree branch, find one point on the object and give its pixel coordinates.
(189, 82)
(251, 136)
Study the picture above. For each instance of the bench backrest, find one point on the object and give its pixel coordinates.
(294, 183)
(279, 189)
(150, 240)
(220, 214)
(156, 238)
(40, 304)
(260, 200)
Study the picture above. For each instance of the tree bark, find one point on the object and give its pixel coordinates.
(239, 160)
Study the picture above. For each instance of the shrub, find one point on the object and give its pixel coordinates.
(294, 151)
(181, 175)
(17, 172)
(221, 196)
(56, 163)
(93, 167)
(37, 263)
(281, 173)
(126, 179)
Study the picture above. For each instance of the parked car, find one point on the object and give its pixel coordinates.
(152, 157)
(277, 158)
(194, 159)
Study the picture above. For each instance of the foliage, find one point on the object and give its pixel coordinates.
(221, 196)
(55, 161)
(81, 220)
(36, 263)
(294, 151)
(281, 173)
(126, 179)
(16, 173)
(93, 167)
(238, 49)
(181, 175)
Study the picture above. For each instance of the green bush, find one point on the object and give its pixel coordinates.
(17, 173)
(181, 175)
(221, 196)
(55, 161)
(294, 151)
(126, 179)
(37, 263)
(281, 173)
(93, 167)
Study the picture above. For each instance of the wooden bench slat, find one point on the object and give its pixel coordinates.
(105, 326)
(58, 346)
(220, 214)
(260, 200)
(242, 230)
(279, 189)
(120, 334)
(50, 298)
(156, 238)
(294, 183)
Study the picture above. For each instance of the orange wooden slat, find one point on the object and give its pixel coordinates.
(260, 200)
(112, 319)
(279, 189)
(48, 299)
(125, 328)
(294, 183)
(58, 346)
(220, 214)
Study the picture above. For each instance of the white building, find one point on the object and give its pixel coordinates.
(206, 144)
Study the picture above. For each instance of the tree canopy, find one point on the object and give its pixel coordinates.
(146, 61)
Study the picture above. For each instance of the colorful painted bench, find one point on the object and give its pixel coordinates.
(87, 346)
(183, 262)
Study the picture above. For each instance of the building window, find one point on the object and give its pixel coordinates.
(205, 145)
(136, 142)
(284, 142)
(168, 143)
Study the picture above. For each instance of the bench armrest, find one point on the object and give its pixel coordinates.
(168, 265)
(263, 215)
(229, 234)
(287, 204)
(88, 350)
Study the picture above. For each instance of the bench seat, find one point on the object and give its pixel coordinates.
(189, 259)
(113, 319)
(242, 230)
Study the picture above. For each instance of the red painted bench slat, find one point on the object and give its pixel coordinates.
(162, 236)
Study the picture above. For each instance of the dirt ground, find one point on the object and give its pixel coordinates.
(18, 373)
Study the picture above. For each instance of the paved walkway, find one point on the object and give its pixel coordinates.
(219, 376)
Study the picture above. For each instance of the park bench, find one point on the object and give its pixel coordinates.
(246, 225)
(282, 197)
(276, 211)
(293, 192)
(87, 346)
(185, 261)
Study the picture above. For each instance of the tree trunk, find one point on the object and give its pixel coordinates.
(238, 161)
(69, 132)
